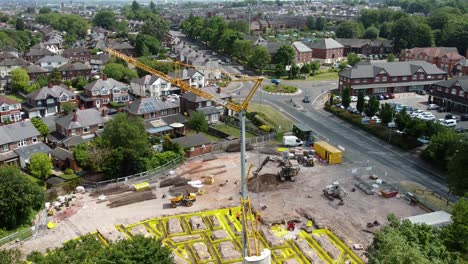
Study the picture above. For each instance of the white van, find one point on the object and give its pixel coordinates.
(292, 141)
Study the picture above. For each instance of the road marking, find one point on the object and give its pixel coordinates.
(379, 143)
(318, 96)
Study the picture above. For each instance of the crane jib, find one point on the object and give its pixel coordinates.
(219, 101)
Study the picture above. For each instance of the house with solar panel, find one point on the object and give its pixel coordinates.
(161, 115)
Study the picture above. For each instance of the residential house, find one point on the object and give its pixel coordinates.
(123, 47)
(390, 77)
(7, 55)
(365, 46)
(195, 145)
(82, 122)
(77, 54)
(190, 102)
(64, 159)
(35, 72)
(98, 61)
(461, 68)
(7, 65)
(103, 91)
(327, 51)
(452, 94)
(444, 57)
(48, 100)
(191, 76)
(151, 86)
(211, 69)
(34, 55)
(272, 47)
(51, 62)
(73, 70)
(18, 141)
(10, 110)
(303, 53)
(52, 46)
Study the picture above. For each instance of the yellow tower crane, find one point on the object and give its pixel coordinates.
(239, 108)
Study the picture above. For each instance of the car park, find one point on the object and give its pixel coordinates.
(432, 107)
(464, 117)
(417, 112)
(380, 97)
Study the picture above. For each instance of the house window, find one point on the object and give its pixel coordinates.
(86, 129)
(439, 88)
(357, 81)
(380, 90)
(15, 106)
(394, 79)
(105, 100)
(73, 132)
(164, 112)
(405, 78)
(4, 108)
(116, 90)
(208, 103)
(5, 148)
(462, 94)
(454, 91)
(63, 98)
(104, 91)
(377, 79)
(414, 77)
(100, 126)
(34, 139)
(384, 78)
(21, 143)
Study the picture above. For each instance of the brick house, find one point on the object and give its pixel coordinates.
(390, 77)
(303, 54)
(98, 61)
(10, 110)
(77, 54)
(82, 122)
(7, 65)
(123, 47)
(73, 70)
(461, 68)
(195, 145)
(18, 141)
(34, 55)
(444, 57)
(102, 91)
(151, 86)
(191, 76)
(51, 62)
(48, 100)
(64, 159)
(190, 102)
(327, 51)
(453, 94)
(365, 46)
(35, 72)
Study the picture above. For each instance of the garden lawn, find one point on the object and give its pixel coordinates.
(324, 76)
(16, 97)
(232, 131)
(68, 176)
(210, 137)
(272, 116)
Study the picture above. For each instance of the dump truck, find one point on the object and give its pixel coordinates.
(186, 199)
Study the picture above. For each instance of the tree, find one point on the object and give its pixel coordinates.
(404, 242)
(314, 67)
(19, 80)
(371, 33)
(242, 49)
(385, 30)
(457, 168)
(353, 58)
(135, 6)
(279, 70)
(455, 235)
(423, 37)
(391, 57)
(342, 65)
(369, 17)
(360, 102)
(386, 113)
(79, 82)
(126, 132)
(349, 29)
(156, 26)
(91, 155)
(67, 107)
(260, 58)
(417, 128)
(402, 119)
(152, 7)
(40, 165)
(147, 45)
(403, 33)
(227, 40)
(372, 106)
(19, 25)
(346, 97)
(197, 122)
(11, 256)
(105, 19)
(285, 55)
(239, 25)
(40, 126)
(55, 77)
(19, 197)
(119, 72)
(310, 22)
(88, 249)
(320, 23)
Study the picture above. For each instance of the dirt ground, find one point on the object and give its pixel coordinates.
(280, 202)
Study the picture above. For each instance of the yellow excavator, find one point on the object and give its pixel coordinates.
(288, 171)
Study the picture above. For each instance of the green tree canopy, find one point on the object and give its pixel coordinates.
(372, 106)
(119, 72)
(457, 168)
(19, 24)
(40, 165)
(11, 256)
(349, 29)
(456, 234)
(40, 126)
(387, 113)
(19, 197)
(55, 77)
(371, 33)
(346, 97)
(126, 132)
(242, 49)
(360, 102)
(20, 80)
(155, 64)
(353, 58)
(391, 57)
(320, 23)
(156, 26)
(197, 122)
(260, 58)
(88, 249)
(314, 67)
(285, 55)
(146, 45)
(105, 19)
(74, 25)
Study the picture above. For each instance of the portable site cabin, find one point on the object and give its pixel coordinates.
(302, 131)
(434, 219)
(328, 152)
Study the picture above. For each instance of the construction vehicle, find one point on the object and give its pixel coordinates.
(288, 171)
(186, 199)
(335, 191)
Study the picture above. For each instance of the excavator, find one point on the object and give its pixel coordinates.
(335, 191)
(287, 170)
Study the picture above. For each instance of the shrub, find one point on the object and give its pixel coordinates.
(69, 171)
(280, 88)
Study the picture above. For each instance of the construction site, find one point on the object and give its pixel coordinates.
(318, 214)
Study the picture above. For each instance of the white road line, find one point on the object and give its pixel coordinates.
(379, 143)
(318, 96)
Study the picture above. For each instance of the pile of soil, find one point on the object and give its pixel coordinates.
(236, 148)
(264, 183)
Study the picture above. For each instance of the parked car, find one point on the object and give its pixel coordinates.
(376, 119)
(441, 109)
(275, 81)
(449, 123)
(450, 116)
(423, 140)
(306, 99)
(421, 92)
(432, 107)
(460, 130)
(391, 96)
(427, 116)
(353, 110)
(366, 98)
(380, 97)
(417, 112)
(385, 97)
(354, 98)
(464, 117)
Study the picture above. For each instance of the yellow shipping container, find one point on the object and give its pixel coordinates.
(328, 152)
(142, 186)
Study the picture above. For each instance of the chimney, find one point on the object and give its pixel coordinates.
(103, 113)
(104, 77)
(75, 116)
(218, 90)
(164, 98)
(50, 85)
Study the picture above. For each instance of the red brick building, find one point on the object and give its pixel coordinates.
(444, 57)
(327, 51)
(10, 110)
(390, 77)
(77, 54)
(303, 53)
(73, 70)
(103, 91)
(461, 68)
(82, 122)
(452, 94)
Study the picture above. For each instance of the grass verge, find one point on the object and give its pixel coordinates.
(426, 195)
(281, 88)
(272, 116)
(232, 130)
(325, 76)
